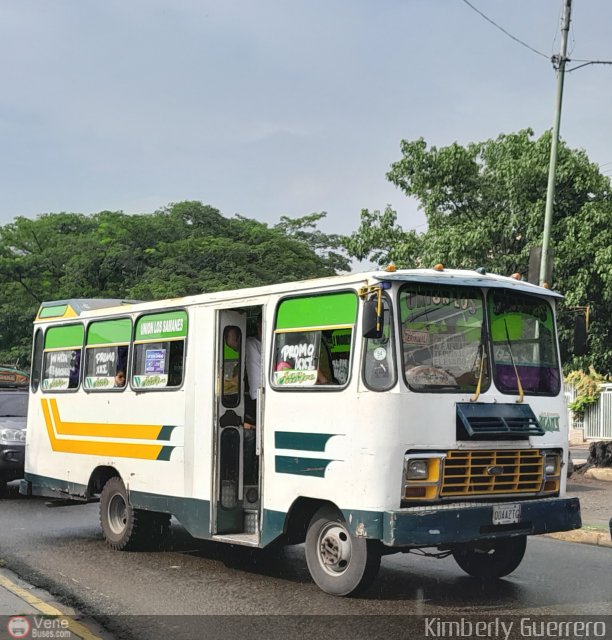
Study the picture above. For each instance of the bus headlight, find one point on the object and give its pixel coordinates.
(416, 470)
(551, 464)
(422, 476)
(552, 472)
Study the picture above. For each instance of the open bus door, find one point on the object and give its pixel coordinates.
(228, 510)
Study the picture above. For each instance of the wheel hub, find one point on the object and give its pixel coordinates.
(117, 514)
(334, 549)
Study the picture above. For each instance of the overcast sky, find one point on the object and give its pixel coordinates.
(274, 107)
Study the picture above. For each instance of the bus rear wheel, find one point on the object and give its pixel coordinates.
(341, 564)
(128, 529)
(490, 560)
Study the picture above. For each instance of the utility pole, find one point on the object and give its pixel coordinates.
(550, 192)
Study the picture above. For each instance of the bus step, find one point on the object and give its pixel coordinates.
(245, 539)
(251, 521)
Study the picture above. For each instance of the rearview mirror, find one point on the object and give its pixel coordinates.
(580, 336)
(372, 321)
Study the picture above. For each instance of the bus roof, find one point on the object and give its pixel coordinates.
(74, 307)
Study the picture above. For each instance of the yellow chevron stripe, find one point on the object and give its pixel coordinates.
(89, 447)
(102, 430)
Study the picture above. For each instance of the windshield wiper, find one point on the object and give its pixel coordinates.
(516, 373)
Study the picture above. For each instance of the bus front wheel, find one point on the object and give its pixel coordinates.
(490, 560)
(125, 528)
(341, 564)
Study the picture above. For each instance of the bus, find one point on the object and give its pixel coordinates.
(394, 411)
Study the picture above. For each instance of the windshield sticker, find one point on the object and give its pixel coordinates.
(295, 378)
(155, 361)
(60, 367)
(151, 381)
(99, 382)
(410, 336)
(380, 353)
(303, 355)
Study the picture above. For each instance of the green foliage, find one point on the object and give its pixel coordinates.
(182, 249)
(485, 204)
(588, 389)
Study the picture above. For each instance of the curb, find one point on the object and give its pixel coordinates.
(20, 600)
(599, 473)
(597, 537)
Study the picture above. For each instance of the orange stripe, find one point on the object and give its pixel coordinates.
(111, 449)
(101, 430)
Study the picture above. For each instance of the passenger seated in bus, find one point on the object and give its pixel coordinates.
(120, 379)
(325, 374)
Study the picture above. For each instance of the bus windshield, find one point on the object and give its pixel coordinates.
(442, 338)
(524, 343)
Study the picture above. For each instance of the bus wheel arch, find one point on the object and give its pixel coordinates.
(99, 477)
(340, 563)
(299, 516)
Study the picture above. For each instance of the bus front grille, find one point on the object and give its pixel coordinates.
(471, 473)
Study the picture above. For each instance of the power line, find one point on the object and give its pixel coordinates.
(555, 59)
(586, 63)
(480, 13)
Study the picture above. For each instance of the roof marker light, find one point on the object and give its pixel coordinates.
(516, 276)
(481, 270)
(439, 267)
(391, 267)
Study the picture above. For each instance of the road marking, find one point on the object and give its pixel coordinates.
(46, 609)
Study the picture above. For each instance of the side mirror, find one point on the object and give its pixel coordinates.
(580, 336)
(372, 321)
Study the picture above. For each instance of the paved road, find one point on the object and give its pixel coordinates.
(61, 549)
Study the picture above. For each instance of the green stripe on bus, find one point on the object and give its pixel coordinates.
(301, 441)
(165, 453)
(301, 466)
(109, 332)
(66, 337)
(317, 311)
(166, 432)
(53, 312)
(162, 326)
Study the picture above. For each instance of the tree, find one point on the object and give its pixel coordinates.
(182, 249)
(484, 205)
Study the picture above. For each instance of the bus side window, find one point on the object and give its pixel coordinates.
(313, 341)
(62, 358)
(379, 370)
(37, 355)
(106, 358)
(159, 351)
(232, 365)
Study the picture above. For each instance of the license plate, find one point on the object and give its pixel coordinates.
(506, 513)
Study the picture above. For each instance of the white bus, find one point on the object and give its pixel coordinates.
(396, 410)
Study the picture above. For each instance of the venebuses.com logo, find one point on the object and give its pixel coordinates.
(38, 627)
(18, 627)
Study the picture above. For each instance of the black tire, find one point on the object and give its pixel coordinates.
(128, 529)
(341, 564)
(491, 560)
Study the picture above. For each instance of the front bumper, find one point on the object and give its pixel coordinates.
(12, 461)
(446, 525)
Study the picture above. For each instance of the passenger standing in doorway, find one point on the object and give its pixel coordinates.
(253, 374)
